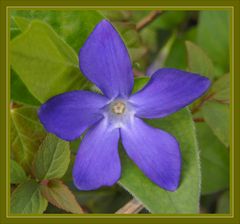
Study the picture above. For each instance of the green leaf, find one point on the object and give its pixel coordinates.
(19, 92)
(214, 160)
(73, 26)
(217, 117)
(223, 203)
(221, 89)
(213, 37)
(27, 199)
(198, 61)
(139, 83)
(186, 198)
(45, 63)
(60, 196)
(18, 175)
(27, 134)
(52, 158)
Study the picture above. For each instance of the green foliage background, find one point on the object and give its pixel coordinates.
(43, 55)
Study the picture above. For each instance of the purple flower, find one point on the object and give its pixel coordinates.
(105, 61)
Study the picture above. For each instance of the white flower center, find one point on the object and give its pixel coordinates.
(118, 107)
(119, 113)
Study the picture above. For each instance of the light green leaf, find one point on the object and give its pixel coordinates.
(45, 63)
(186, 198)
(139, 83)
(213, 37)
(60, 196)
(18, 175)
(27, 134)
(52, 158)
(27, 199)
(198, 61)
(221, 89)
(21, 22)
(217, 117)
(73, 26)
(214, 160)
(223, 203)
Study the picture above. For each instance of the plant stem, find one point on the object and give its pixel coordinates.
(198, 106)
(148, 19)
(198, 119)
(132, 207)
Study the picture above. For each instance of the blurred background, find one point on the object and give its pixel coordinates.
(196, 41)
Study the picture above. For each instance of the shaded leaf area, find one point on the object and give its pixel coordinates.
(52, 158)
(214, 160)
(103, 200)
(59, 195)
(27, 199)
(26, 135)
(185, 198)
(223, 205)
(20, 93)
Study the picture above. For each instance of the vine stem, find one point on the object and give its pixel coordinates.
(148, 19)
(198, 119)
(198, 106)
(132, 207)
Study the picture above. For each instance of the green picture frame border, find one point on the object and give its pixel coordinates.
(232, 5)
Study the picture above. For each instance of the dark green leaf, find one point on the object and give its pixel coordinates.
(52, 158)
(27, 134)
(177, 55)
(217, 117)
(18, 175)
(60, 196)
(27, 199)
(45, 63)
(139, 83)
(214, 160)
(186, 198)
(19, 92)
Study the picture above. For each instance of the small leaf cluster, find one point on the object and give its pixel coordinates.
(44, 185)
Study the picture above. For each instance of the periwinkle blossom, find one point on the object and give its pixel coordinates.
(116, 114)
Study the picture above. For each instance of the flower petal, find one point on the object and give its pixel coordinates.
(105, 61)
(69, 114)
(168, 91)
(155, 152)
(97, 163)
